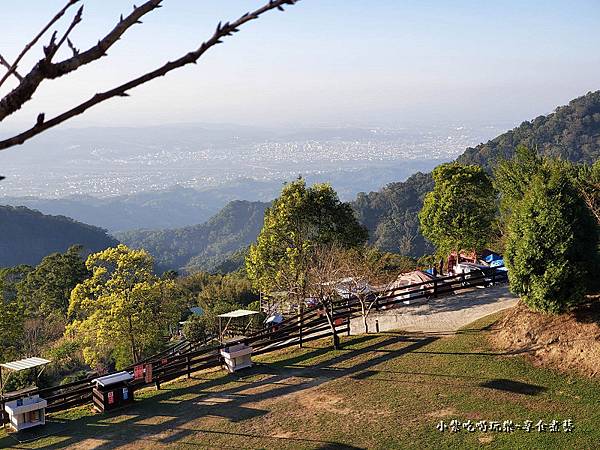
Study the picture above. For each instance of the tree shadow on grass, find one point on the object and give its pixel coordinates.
(316, 352)
(516, 387)
(168, 416)
(452, 381)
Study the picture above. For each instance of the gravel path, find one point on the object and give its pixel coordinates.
(441, 315)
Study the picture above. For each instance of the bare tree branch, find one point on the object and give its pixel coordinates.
(5, 63)
(12, 69)
(192, 57)
(45, 69)
(54, 47)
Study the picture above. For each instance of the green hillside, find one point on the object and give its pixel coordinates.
(26, 236)
(203, 246)
(390, 215)
(572, 132)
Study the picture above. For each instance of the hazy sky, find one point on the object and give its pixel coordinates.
(327, 62)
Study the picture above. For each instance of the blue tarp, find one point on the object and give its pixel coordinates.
(493, 257)
(196, 310)
(497, 263)
(275, 319)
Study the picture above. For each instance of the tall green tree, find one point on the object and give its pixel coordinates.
(299, 219)
(12, 311)
(36, 299)
(513, 176)
(551, 248)
(46, 290)
(122, 313)
(458, 214)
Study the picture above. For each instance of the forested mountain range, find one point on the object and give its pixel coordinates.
(572, 132)
(180, 206)
(26, 236)
(203, 246)
(176, 207)
(390, 214)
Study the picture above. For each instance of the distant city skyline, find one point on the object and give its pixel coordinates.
(328, 63)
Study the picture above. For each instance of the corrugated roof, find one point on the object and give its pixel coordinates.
(114, 378)
(238, 313)
(23, 364)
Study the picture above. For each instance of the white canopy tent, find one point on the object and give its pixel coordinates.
(238, 313)
(22, 364)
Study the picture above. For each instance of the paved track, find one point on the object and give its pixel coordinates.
(441, 315)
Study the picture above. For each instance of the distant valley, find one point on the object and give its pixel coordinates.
(572, 132)
(180, 206)
(173, 176)
(207, 226)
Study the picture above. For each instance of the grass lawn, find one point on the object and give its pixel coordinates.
(380, 391)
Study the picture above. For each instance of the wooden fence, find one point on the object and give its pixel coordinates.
(186, 357)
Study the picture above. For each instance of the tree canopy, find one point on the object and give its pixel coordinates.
(551, 246)
(299, 218)
(459, 212)
(12, 317)
(571, 132)
(47, 288)
(123, 311)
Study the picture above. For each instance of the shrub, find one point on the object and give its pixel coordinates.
(196, 328)
(551, 243)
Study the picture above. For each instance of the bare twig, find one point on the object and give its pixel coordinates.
(192, 57)
(55, 19)
(54, 47)
(72, 47)
(4, 62)
(45, 69)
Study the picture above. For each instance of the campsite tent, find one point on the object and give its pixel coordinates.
(414, 277)
(408, 279)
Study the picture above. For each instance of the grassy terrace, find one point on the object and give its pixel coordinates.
(380, 391)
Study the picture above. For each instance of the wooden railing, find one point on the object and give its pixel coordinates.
(186, 357)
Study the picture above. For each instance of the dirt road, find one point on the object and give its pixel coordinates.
(439, 315)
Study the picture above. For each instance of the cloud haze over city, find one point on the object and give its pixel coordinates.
(327, 62)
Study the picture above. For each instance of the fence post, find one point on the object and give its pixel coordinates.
(300, 321)
(349, 316)
(435, 293)
(336, 339)
(189, 371)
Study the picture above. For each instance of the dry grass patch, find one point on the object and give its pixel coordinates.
(567, 342)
